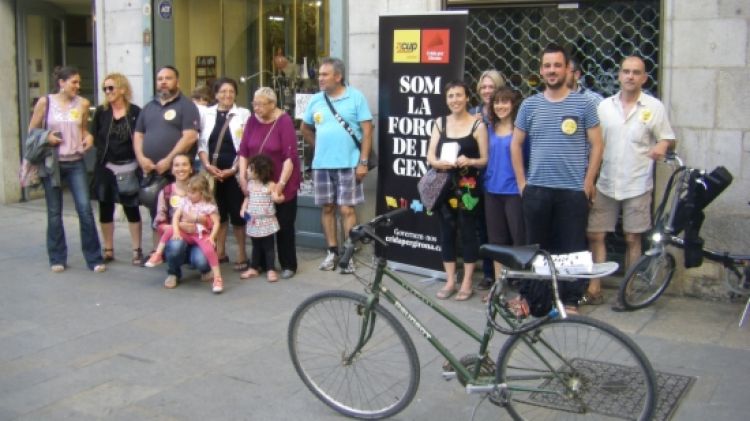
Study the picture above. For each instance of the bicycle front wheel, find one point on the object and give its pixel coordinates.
(377, 381)
(576, 368)
(646, 280)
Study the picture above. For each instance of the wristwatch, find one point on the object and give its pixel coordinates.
(363, 162)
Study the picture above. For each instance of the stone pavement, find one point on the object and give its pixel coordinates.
(118, 346)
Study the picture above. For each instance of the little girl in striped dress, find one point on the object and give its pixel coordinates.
(260, 213)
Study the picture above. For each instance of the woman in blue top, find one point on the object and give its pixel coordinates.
(502, 199)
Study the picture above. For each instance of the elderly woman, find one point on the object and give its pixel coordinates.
(270, 131)
(65, 115)
(222, 125)
(460, 132)
(113, 137)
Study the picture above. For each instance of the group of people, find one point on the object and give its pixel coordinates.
(554, 169)
(250, 176)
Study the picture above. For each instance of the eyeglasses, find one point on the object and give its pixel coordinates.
(108, 88)
(260, 104)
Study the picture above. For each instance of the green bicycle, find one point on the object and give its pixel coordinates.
(356, 357)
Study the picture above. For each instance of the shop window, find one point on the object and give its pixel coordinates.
(261, 42)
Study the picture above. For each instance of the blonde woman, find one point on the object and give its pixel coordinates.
(112, 128)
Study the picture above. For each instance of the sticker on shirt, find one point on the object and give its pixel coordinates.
(169, 115)
(645, 115)
(74, 114)
(175, 201)
(569, 125)
(239, 131)
(318, 117)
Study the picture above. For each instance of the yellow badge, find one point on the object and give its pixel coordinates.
(238, 132)
(169, 115)
(175, 201)
(453, 202)
(646, 115)
(569, 126)
(74, 114)
(318, 117)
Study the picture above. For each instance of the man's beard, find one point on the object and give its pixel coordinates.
(167, 93)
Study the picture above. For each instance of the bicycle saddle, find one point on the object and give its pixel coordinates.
(513, 257)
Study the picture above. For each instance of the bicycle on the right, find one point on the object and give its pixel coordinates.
(677, 223)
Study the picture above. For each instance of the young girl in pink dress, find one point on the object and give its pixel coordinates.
(258, 208)
(200, 203)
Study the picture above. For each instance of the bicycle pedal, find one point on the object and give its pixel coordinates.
(449, 373)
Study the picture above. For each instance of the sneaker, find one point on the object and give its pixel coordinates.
(170, 282)
(591, 299)
(57, 268)
(154, 261)
(218, 285)
(350, 268)
(329, 263)
(99, 268)
(287, 273)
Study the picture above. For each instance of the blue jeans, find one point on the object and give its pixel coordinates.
(178, 253)
(75, 174)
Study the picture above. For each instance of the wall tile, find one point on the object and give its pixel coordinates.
(710, 43)
(687, 108)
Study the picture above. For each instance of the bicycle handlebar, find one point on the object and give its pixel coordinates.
(366, 232)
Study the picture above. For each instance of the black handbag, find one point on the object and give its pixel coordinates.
(150, 187)
(372, 157)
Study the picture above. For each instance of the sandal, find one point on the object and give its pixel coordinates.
(224, 259)
(591, 299)
(240, 266)
(109, 255)
(463, 295)
(137, 257)
(519, 307)
(250, 273)
(445, 293)
(272, 276)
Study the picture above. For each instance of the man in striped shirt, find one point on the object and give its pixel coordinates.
(560, 126)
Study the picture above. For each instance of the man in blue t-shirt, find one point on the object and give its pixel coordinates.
(333, 119)
(561, 126)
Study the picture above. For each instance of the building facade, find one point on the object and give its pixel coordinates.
(699, 59)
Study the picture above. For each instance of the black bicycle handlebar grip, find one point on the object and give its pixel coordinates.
(348, 252)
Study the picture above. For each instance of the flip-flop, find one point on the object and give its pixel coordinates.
(463, 295)
(241, 266)
(445, 293)
(250, 273)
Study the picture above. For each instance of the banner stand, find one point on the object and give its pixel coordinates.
(428, 274)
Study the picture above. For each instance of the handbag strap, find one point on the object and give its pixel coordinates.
(267, 135)
(46, 113)
(215, 156)
(342, 122)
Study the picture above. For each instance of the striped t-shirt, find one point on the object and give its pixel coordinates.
(556, 132)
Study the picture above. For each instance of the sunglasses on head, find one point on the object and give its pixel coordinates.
(108, 88)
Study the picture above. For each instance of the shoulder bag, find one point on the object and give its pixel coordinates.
(28, 173)
(217, 149)
(372, 157)
(433, 186)
(126, 175)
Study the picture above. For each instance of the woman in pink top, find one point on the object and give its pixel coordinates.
(270, 131)
(65, 115)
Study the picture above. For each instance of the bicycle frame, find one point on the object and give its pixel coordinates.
(377, 289)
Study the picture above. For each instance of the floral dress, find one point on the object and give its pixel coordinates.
(261, 209)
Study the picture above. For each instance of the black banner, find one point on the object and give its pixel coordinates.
(419, 54)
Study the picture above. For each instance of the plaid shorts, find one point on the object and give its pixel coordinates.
(337, 186)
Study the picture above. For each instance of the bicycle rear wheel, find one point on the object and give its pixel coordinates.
(646, 280)
(379, 381)
(577, 368)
